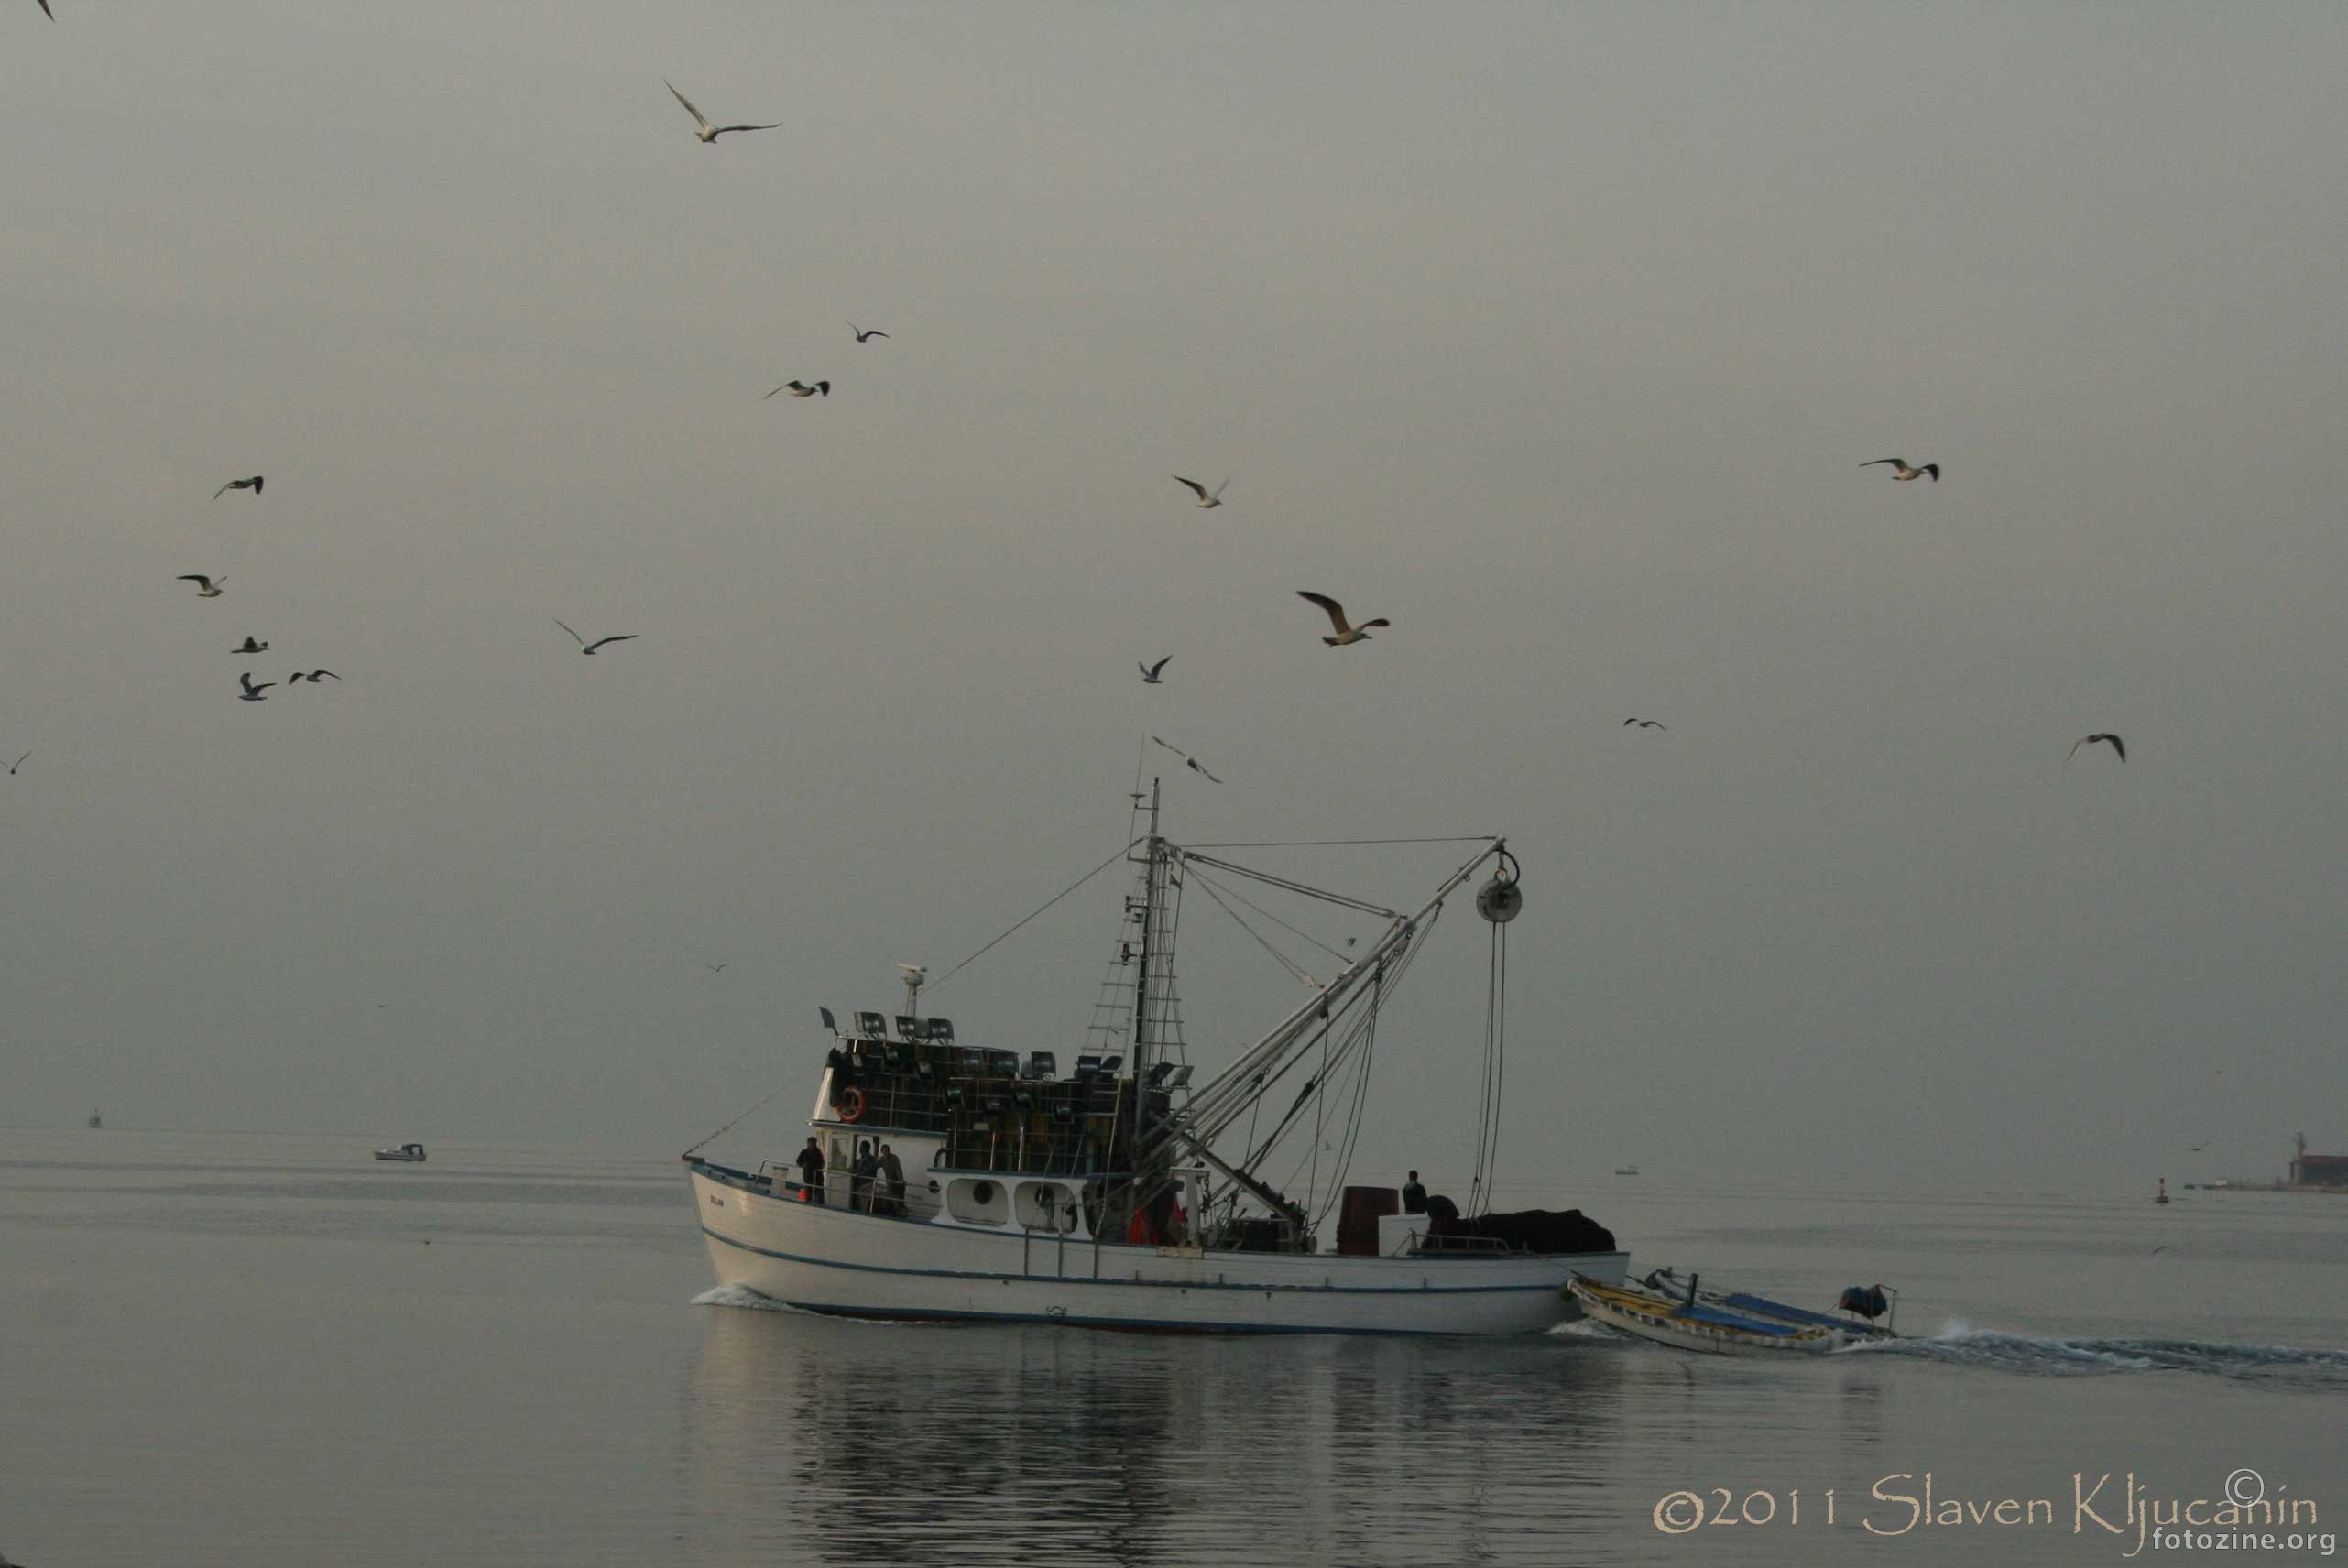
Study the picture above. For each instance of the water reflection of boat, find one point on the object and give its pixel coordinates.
(1096, 1198)
(786, 1448)
(407, 1153)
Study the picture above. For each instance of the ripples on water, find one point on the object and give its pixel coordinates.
(2276, 1366)
(270, 1353)
(884, 1441)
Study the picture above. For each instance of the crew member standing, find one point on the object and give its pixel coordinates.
(1414, 1196)
(811, 1172)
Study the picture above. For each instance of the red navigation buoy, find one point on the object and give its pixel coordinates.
(2162, 1196)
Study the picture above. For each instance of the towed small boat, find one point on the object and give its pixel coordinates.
(1696, 1324)
(1863, 1303)
(408, 1153)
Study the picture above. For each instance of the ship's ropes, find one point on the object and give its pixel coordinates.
(1488, 1115)
(1048, 903)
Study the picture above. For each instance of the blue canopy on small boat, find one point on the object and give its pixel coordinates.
(1779, 1308)
(1720, 1319)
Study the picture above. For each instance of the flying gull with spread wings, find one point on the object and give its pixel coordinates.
(801, 389)
(701, 125)
(253, 485)
(584, 646)
(1188, 761)
(866, 335)
(1902, 471)
(252, 692)
(1149, 672)
(1204, 498)
(2116, 743)
(1346, 631)
(206, 587)
(1646, 724)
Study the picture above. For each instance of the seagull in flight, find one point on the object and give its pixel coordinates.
(586, 646)
(1904, 472)
(2117, 744)
(1188, 761)
(1646, 724)
(702, 127)
(801, 389)
(253, 485)
(866, 335)
(314, 677)
(252, 647)
(1149, 672)
(2195, 1150)
(716, 968)
(18, 762)
(252, 693)
(1204, 498)
(206, 587)
(1346, 632)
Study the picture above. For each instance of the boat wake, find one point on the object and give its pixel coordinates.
(741, 1296)
(1960, 1343)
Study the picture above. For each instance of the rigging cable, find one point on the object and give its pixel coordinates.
(1023, 919)
(1487, 1119)
(1275, 920)
(729, 1126)
(1294, 972)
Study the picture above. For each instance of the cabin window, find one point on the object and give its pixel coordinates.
(1044, 1205)
(977, 1201)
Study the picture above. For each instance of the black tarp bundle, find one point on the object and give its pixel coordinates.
(1529, 1230)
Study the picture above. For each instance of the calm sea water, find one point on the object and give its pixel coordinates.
(271, 1350)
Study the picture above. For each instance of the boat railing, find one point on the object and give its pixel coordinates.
(839, 1190)
(1464, 1244)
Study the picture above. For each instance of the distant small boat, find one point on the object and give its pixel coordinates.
(94, 1122)
(412, 1153)
(1626, 1170)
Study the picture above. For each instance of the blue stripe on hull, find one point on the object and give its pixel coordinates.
(1548, 1286)
(1143, 1326)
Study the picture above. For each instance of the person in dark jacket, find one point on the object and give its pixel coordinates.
(1414, 1196)
(811, 1171)
(892, 1183)
(860, 1175)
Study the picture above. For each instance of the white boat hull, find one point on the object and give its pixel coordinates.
(838, 1260)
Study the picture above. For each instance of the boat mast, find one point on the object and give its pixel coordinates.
(1152, 899)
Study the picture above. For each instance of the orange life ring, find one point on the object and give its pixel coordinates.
(849, 1103)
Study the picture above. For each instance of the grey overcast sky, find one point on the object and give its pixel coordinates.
(1555, 333)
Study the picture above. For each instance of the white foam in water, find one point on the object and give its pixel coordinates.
(740, 1296)
(1585, 1328)
(1960, 1343)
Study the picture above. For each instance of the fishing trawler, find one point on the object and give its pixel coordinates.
(1102, 1197)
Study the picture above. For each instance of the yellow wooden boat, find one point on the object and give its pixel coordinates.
(1695, 1325)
